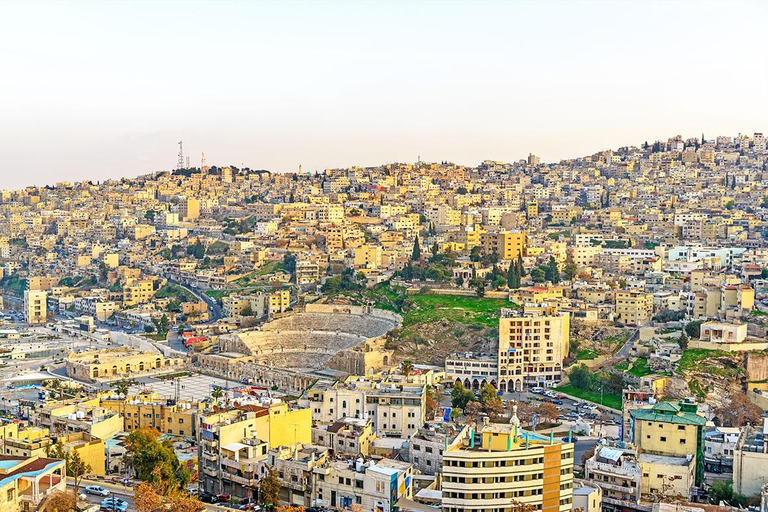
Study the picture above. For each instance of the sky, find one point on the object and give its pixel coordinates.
(105, 89)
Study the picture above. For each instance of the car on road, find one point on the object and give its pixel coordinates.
(536, 390)
(207, 497)
(114, 504)
(574, 439)
(97, 490)
(222, 498)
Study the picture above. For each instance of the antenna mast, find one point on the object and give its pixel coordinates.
(180, 164)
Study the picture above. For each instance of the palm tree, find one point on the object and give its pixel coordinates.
(121, 387)
(407, 368)
(217, 393)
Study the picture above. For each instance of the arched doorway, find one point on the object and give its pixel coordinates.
(503, 386)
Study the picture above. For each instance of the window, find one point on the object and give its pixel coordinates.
(682, 441)
(663, 439)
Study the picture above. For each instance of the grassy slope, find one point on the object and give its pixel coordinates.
(609, 400)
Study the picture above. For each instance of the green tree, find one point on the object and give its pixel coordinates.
(474, 254)
(551, 273)
(416, 253)
(154, 461)
(683, 340)
(581, 377)
(570, 269)
(77, 468)
(538, 275)
(121, 387)
(217, 393)
(693, 329)
(269, 489)
(460, 396)
(488, 393)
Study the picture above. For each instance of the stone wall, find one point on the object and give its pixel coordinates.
(757, 366)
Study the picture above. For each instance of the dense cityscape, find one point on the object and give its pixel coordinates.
(587, 335)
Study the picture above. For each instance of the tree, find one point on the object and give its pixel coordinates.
(474, 254)
(77, 468)
(683, 340)
(59, 501)
(431, 405)
(269, 488)
(407, 368)
(460, 396)
(416, 253)
(693, 329)
(145, 499)
(547, 411)
(551, 273)
(217, 393)
(570, 269)
(154, 461)
(538, 275)
(488, 394)
(472, 410)
(580, 377)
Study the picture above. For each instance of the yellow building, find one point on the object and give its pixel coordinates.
(508, 467)
(26, 481)
(505, 245)
(41, 282)
(234, 444)
(189, 209)
(116, 363)
(633, 307)
(532, 345)
(149, 410)
(35, 306)
(669, 429)
(279, 301)
(138, 292)
(536, 294)
(367, 257)
(90, 449)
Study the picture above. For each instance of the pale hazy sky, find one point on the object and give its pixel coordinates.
(91, 90)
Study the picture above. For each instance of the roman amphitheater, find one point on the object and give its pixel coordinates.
(345, 338)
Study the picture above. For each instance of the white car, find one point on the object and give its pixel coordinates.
(96, 489)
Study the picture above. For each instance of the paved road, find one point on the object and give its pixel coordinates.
(214, 310)
(126, 493)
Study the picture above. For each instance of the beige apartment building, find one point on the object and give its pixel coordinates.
(505, 245)
(138, 292)
(633, 307)
(35, 306)
(532, 344)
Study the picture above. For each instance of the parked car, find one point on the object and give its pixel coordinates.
(536, 390)
(114, 504)
(207, 497)
(97, 490)
(222, 498)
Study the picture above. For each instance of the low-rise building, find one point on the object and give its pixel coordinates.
(117, 363)
(26, 481)
(750, 460)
